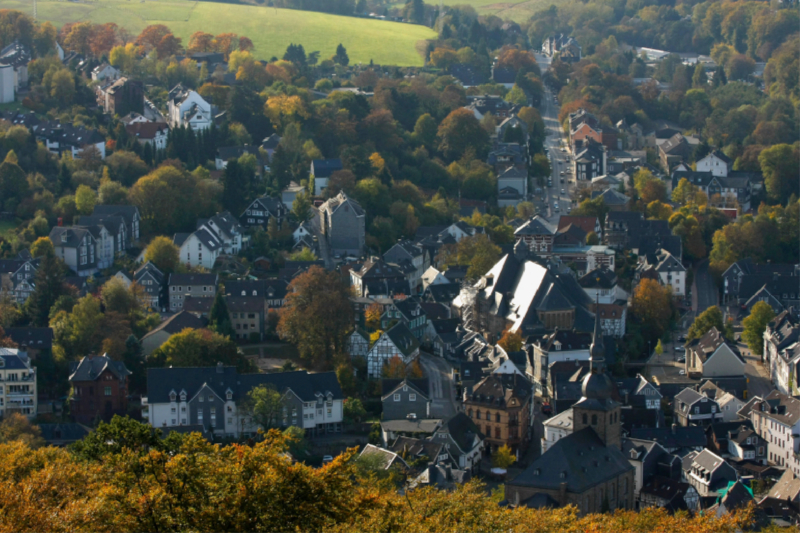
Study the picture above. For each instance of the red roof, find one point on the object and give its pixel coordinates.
(146, 130)
(587, 224)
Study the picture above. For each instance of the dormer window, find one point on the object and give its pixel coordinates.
(172, 396)
(244, 293)
(229, 395)
(183, 396)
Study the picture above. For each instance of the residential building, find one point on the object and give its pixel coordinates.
(14, 60)
(556, 428)
(587, 467)
(744, 444)
(105, 71)
(18, 393)
(649, 459)
(129, 213)
(213, 397)
(151, 279)
(776, 419)
(198, 249)
(59, 138)
(611, 301)
(17, 277)
(665, 268)
(693, 408)
(77, 247)
(272, 290)
(463, 440)
(731, 191)
(31, 340)
(482, 104)
(405, 398)
(708, 473)
(670, 494)
(613, 199)
(717, 163)
(675, 150)
(321, 171)
(501, 405)
(153, 133)
(512, 186)
(412, 259)
(566, 47)
(188, 109)
(561, 345)
(729, 404)
(289, 194)
(178, 322)
(358, 343)
(261, 210)
(377, 278)
(712, 356)
(537, 233)
(248, 317)
(432, 276)
(121, 96)
(396, 342)
(590, 160)
(630, 389)
(99, 389)
(782, 352)
(408, 311)
(588, 224)
(787, 488)
(676, 439)
(197, 285)
(381, 458)
(343, 225)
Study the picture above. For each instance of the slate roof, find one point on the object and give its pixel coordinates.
(787, 487)
(67, 134)
(403, 339)
(421, 386)
(245, 304)
(197, 304)
(177, 323)
(417, 447)
(462, 430)
(323, 168)
(193, 279)
(497, 390)
(599, 278)
(611, 197)
(89, 368)
(587, 224)
(67, 432)
(405, 425)
(467, 74)
(581, 458)
(74, 236)
(680, 437)
(781, 408)
(708, 344)
(12, 360)
(161, 381)
(665, 488)
(36, 338)
(443, 293)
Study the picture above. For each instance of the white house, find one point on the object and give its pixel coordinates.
(782, 352)
(220, 234)
(776, 419)
(717, 163)
(712, 356)
(146, 132)
(358, 343)
(76, 247)
(396, 342)
(17, 384)
(212, 399)
(666, 268)
(189, 109)
(433, 276)
(7, 85)
(105, 72)
(556, 428)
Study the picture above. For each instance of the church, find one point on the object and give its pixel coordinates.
(587, 468)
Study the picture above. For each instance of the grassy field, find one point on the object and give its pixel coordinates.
(272, 30)
(519, 11)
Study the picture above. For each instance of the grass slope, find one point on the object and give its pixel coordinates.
(272, 30)
(516, 10)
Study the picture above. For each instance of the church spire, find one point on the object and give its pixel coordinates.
(597, 350)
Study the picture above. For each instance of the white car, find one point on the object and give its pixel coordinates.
(555, 206)
(562, 191)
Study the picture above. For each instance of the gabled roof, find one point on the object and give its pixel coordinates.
(536, 225)
(420, 386)
(599, 278)
(587, 224)
(611, 197)
(402, 338)
(462, 430)
(513, 173)
(74, 236)
(323, 168)
(146, 130)
(678, 437)
(780, 407)
(35, 338)
(387, 458)
(342, 201)
(499, 390)
(193, 279)
(89, 368)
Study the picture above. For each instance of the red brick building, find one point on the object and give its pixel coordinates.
(99, 389)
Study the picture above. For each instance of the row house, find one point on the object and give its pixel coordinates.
(273, 291)
(215, 398)
(501, 405)
(18, 392)
(590, 160)
(782, 351)
(59, 138)
(776, 419)
(399, 342)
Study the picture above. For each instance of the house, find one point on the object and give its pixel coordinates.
(405, 398)
(380, 458)
(396, 342)
(129, 213)
(259, 212)
(776, 419)
(377, 278)
(744, 444)
(76, 247)
(188, 109)
(419, 450)
(59, 138)
(408, 311)
(731, 191)
(556, 428)
(63, 434)
(31, 340)
(343, 224)
(248, 317)
(121, 96)
(613, 199)
(712, 356)
(321, 171)
(20, 394)
(14, 60)
(270, 144)
(744, 277)
(111, 234)
(419, 428)
(482, 104)
(693, 408)
(514, 178)
(214, 398)
(151, 279)
(99, 389)
(717, 163)
(198, 306)
(566, 47)
(227, 153)
(729, 404)
(153, 133)
(561, 345)
(611, 300)
(467, 75)
(358, 343)
(664, 267)
(537, 234)
(411, 258)
(432, 276)
(587, 224)
(17, 277)
(511, 128)
(670, 494)
(198, 249)
(105, 71)
(782, 351)
(787, 488)
(463, 440)
(649, 459)
(590, 160)
(197, 285)
(675, 150)
(289, 194)
(272, 290)
(676, 439)
(178, 322)
(708, 473)
(638, 387)
(584, 125)
(503, 76)
(501, 405)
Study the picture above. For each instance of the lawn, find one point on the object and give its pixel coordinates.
(271, 29)
(519, 11)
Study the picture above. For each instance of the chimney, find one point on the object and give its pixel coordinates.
(674, 428)
(60, 222)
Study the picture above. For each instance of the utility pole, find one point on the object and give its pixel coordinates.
(34, 10)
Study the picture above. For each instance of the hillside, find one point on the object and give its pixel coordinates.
(271, 29)
(516, 10)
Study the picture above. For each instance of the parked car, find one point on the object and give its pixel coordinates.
(326, 459)
(562, 190)
(547, 409)
(681, 359)
(681, 339)
(555, 206)
(682, 372)
(680, 349)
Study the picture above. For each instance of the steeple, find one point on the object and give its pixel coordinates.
(597, 350)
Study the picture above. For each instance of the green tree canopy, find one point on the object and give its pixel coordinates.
(754, 326)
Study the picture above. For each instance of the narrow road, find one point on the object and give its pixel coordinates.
(442, 390)
(704, 291)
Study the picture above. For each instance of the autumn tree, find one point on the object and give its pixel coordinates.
(710, 318)
(754, 325)
(503, 457)
(265, 405)
(16, 427)
(460, 131)
(317, 315)
(152, 36)
(163, 253)
(651, 305)
(477, 251)
(41, 247)
(200, 42)
(199, 347)
(511, 341)
(372, 316)
(779, 164)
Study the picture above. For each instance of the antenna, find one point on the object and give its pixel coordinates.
(439, 23)
(34, 10)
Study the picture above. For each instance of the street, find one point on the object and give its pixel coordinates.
(440, 378)
(704, 291)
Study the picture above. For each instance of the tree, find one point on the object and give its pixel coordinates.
(265, 405)
(41, 247)
(477, 251)
(152, 36)
(62, 87)
(372, 316)
(13, 184)
(125, 167)
(425, 131)
(511, 341)
(304, 254)
(163, 254)
(503, 457)
(341, 58)
(317, 315)
(651, 304)
(49, 286)
(219, 320)
(779, 164)
(17, 427)
(85, 199)
(710, 318)
(353, 410)
(460, 131)
(592, 239)
(236, 185)
(199, 347)
(659, 348)
(124, 434)
(119, 298)
(301, 207)
(754, 325)
(394, 368)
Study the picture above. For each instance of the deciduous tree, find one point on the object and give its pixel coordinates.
(651, 304)
(754, 326)
(163, 253)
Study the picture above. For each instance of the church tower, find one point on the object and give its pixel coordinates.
(596, 409)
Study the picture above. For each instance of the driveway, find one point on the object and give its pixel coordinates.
(440, 376)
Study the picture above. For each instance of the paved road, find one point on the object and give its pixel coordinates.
(704, 291)
(439, 374)
(758, 383)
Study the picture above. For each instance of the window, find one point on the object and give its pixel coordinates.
(173, 410)
(497, 417)
(594, 420)
(108, 391)
(585, 419)
(210, 399)
(200, 398)
(412, 397)
(697, 410)
(397, 397)
(478, 415)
